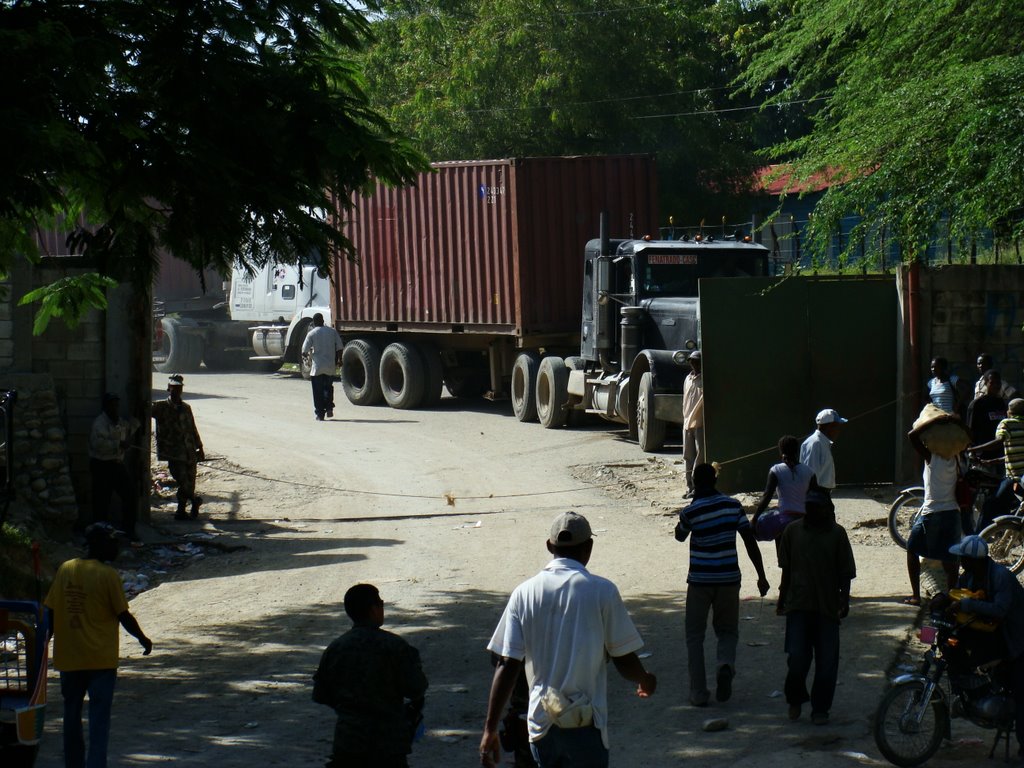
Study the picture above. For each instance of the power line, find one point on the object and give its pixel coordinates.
(728, 109)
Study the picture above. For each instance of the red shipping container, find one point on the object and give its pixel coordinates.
(492, 247)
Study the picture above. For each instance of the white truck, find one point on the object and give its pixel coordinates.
(253, 322)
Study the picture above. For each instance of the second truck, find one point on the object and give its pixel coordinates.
(473, 279)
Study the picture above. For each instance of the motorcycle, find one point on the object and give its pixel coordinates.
(916, 714)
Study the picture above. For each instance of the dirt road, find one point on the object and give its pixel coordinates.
(446, 511)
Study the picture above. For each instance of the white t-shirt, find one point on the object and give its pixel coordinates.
(793, 484)
(939, 485)
(324, 343)
(565, 622)
(816, 453)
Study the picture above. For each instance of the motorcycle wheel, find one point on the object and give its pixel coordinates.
(899, 738)
(902, 514)
(1005, 541)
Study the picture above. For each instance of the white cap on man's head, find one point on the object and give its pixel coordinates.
(175, 380)
(829, 416)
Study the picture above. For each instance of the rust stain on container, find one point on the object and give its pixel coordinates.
(494, 244)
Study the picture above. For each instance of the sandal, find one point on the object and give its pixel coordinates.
(914, 601)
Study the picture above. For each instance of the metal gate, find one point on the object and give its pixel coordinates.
(777, 350)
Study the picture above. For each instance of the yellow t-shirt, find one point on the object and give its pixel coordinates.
(86, 598)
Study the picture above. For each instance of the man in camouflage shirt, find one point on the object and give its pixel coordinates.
(178, 443)
(373, 681)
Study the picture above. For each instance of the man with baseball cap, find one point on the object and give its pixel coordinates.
(564, 623)
(178, 443)
(1001, 597)
(816, 451)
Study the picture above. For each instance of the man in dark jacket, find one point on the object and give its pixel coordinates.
(373, 681)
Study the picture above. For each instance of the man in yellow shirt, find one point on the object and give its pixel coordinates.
(87, 602)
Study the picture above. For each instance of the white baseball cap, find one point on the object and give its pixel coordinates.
(829, 416)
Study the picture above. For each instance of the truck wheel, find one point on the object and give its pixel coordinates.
(180, 352)
(360, 372)
(650, 429)
(552, 392)
(402, 376)
(524, 386)
(222, 360)
(434, 375)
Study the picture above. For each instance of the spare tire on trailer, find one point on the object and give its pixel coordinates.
(403, 376)
(524, 386)
(466, 384)
(552, 392)
(434, 374)
(182, 351)
(360, 372)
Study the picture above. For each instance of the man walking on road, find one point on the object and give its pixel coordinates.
(816, 450)
(693, 419)
(88, 603)
(817, 567)
(323, 345)
(713, 582)
(564, 623)
(178, 443)
(374, 682)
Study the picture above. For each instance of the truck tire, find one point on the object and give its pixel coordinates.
(403, 376)
(434, 375)
(650, 429)
(182, 352)
(524, 386)
(552, 392)
(360, 372)
(217, 359)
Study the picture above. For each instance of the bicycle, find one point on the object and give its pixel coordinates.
(906, 508)
(1005, 538)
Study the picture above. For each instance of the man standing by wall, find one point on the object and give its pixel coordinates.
(323, 345)
(178, 443)
(816, 450)
(564, 623)
(107, 442)
(87, 600)
(693, 419)
(374, 682)
(713, 581)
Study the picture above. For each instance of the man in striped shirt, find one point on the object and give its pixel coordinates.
(1010, 435)
(713, 583)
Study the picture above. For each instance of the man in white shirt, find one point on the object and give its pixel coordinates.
(564, 623)
(693, 419)
(323, 345)
(816, 450)
(108, 439)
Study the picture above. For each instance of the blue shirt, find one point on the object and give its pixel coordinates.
(714, 519)
(1005, 601)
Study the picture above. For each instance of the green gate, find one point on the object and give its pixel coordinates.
(777, 350)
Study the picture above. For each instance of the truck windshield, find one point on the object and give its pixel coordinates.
(675, 273)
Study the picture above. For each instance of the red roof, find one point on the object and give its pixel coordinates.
(776, 180)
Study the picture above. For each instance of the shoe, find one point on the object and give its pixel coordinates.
(794, 711)
(136, 544)
(330, 414)
(197, 502)
(699, 699)
(819, 718)
(724, 682)
(180, 514)
(319, 418)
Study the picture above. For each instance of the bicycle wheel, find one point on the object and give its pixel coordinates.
(1005, 539)
(905, 734)
(903, 513)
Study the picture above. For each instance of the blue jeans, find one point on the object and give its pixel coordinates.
(570, 748)
(323, 393)
(812, 637)
(99, 684)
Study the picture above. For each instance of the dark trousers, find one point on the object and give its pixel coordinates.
(366, 760)
(184, 474)
(323, 393)
(570, 748)
(1017, 683)
(1003, 502)
(108, 478)
(811, 637)
(99, 684)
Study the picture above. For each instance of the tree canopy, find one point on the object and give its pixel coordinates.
(473, 79)
(218, 131)
(919, 112)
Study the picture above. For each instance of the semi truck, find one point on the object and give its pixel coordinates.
(473, 279)
(250, 321)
